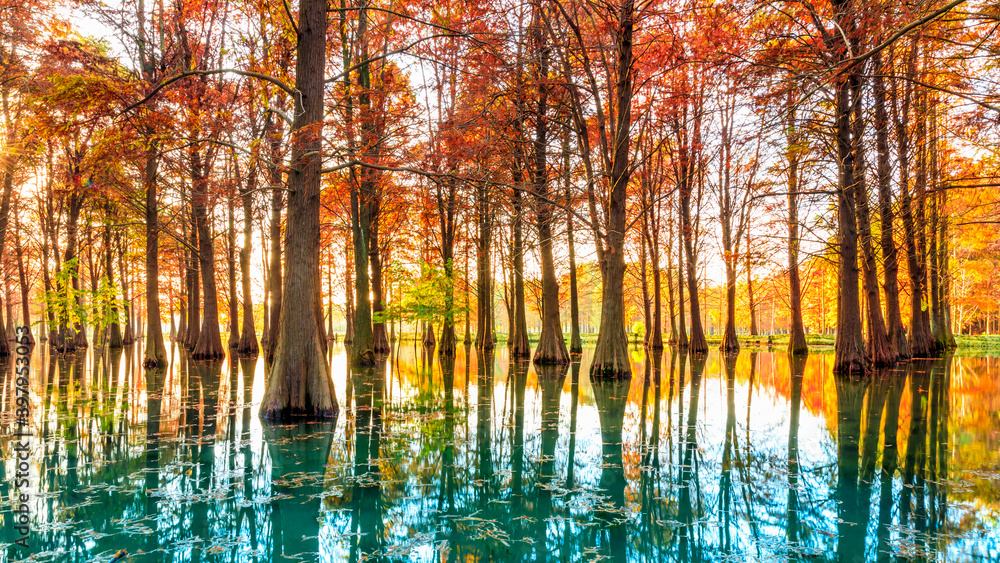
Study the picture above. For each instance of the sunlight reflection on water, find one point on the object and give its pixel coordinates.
(708, 460)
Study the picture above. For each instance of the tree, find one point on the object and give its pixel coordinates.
(299, 383)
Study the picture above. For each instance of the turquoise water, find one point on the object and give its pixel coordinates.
(478, 459)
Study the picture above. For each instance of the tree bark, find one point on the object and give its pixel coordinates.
(682, 336)
(936, 201)
(919, 333)
(611, 357)
(878, 346)
(74, 205)
(156, 350)
(446, 210)
(193, 287)
(575, 342)
(484, 281)
(274, 280)
(27, 337)
(730, 239)
(697, 343)
(796, 338)
(849, 345)
(299, 383)
(128, 336)
(551, 348)
(890, 264)
(209, 343)
(234, 302)
(248, 337)
(518, 337)
(114, 327)
(349, 296)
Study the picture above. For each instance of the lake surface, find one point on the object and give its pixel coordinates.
(756, 459)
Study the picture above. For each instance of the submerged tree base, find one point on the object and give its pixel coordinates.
(611, 359)
(299, 385)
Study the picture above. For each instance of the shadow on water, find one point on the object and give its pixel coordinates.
(753, 457)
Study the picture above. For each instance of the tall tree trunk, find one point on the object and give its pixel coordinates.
(936, 201)
(682, 337)
(114, 327)
(946, 284)
(209, 343)
(611, 353)
(484, 280)
(920, 210)
(697, 344)
(362, 208)
(671, 304)
(234, 302)
(796, 338)
(128, 337)
(878, 347)
(890, 264)
(919, 333)
(94, 286)
(7, 173)
(657, 335)
(467, 339)
(850, 350)
(349, 295)
(551, 348)
(170, 299)
(193, 287)
(519, 346)
(26, 338)
(363, 340)
(447, 346)
(183, 271)
(575, 342)
(274, 281)
(329, 303)
(647, 321)
(299, 383)
(380, 340)
(730, 240)
(248, 337)
(750, 295)
(74, 206)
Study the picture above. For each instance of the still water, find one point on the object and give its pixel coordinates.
(754, 459)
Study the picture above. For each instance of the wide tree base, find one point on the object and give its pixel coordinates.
(611, 358)
(429, 340)
(299, 385)
(551, 350)
(850, 362)
(209, 346)
(698, 348)
(730, 344)
(115, 336)
(520, 350)
(380, 344)
(248, 343)
(80, 340)
(880, 353)
(447, 347)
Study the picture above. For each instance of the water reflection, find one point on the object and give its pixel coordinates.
(479, 458)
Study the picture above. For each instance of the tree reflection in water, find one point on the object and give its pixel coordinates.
(482, 459)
